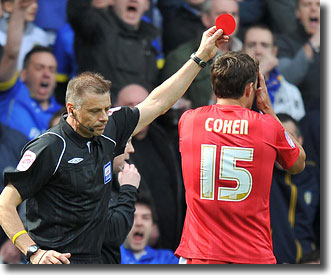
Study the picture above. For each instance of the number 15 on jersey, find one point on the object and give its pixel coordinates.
(228, 170)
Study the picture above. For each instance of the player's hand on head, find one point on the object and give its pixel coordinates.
(210, 42)
(263, 102)
(129, 175)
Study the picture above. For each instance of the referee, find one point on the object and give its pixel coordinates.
(65, 173)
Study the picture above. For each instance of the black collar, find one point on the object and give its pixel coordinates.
(72, 134)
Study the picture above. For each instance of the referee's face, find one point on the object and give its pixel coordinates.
(93, 114)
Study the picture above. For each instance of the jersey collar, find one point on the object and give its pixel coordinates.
(72, 134)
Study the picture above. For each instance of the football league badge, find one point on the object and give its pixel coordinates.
(107, 173)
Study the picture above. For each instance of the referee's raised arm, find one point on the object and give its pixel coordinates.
(164, 96)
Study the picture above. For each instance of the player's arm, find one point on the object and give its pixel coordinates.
(164, 96)
(13, 227)
(300, 163)
(8, 64)
(264, 104)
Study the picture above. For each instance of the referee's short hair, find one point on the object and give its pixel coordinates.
(87, 82)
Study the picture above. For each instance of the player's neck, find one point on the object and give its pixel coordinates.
(229, 101)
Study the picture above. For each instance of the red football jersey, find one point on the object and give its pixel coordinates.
(228, 155)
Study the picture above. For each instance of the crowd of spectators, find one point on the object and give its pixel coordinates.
(137, 45)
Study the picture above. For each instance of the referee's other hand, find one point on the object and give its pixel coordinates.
(50, 257)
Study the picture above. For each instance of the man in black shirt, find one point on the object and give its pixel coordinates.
(121, 207)
(66, 172)
(117, 41)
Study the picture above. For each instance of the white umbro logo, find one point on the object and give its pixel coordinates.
(75, 160)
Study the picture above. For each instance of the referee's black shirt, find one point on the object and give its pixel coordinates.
(68, 185)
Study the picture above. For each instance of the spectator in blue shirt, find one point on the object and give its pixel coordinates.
(51, 15)
(26, 100)
(32, 34)
(135, 249)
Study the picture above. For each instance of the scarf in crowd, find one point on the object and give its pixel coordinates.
(273, 84)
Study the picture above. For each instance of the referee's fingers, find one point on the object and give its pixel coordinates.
(126, 167)
(132, 167)
(64, 258)
(59, 258)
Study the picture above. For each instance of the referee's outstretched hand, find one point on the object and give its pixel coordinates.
(211, 40)
(50, 257)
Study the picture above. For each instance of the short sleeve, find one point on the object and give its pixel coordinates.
(36, 166)
(126, 120)
(287, 151)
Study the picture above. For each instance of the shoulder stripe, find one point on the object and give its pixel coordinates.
(64, 148)
(112, 110)
(109, 139)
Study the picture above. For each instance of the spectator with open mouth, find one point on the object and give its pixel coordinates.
(26, 100)
(117, 41)
(135, 249)
(299, 53)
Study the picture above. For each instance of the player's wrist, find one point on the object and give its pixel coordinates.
(269, 111)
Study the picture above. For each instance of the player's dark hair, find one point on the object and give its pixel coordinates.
(231, 72)
(35, 49)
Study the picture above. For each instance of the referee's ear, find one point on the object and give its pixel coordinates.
(70, 108)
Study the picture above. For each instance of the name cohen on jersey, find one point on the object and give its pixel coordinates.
(234, 127)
